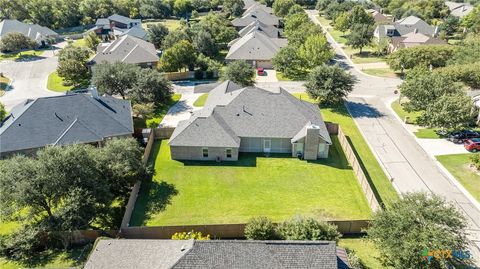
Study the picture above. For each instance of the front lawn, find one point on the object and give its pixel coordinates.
(459, 166)
(201, 100)
(381, 72)
(279, 186)
(339, 114)
(411, 118)
(368, 55)
(21, 55)
(55, 83)
(364, 249)
(157, 117)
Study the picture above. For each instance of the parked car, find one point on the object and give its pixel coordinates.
(472, 145)
(261, 71)
(461, 136)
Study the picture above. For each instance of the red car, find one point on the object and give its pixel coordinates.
(472, 145)
(260, 71)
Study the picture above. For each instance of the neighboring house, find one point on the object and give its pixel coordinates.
(249, 119)
(137, 32)
(413, 39)
(248, 3)
(459, 10)
(106, 27)
(127, 49)
(256, 6)
(256, 15)
(34, 31)
(405, 26)
(475, 95)
(63, 120)
(256, 48)
(378, 17)
(269, 30)
(160, 254)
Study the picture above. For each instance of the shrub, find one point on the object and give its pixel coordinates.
(475, 160)
(260, 228)
(190, 235)
(300, 228)
(354, 260)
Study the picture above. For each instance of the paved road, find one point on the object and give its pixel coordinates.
(411, 168)
(29, 78)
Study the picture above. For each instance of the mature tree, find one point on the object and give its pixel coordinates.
(174, 37)
(300, 228)
(93, 9)
(342, 22)
(157, 33)
(449, 111)
(282, 7)
(239, 72)
(209, 65)
(13, 9)
(114, 79)
(450, 25)
(3, 112)
(316, 50)
(233, 7)
(152, 87)
(305, 30)
(360, 36)
(358, 15)
(434, 55)
(143, 110)
(295, 9)
(288, 61)
(181, 8)
(329, 84)
(415, 223)
(381, 46)
(41, 12)
(158, 9)
(204, 43)
(468, 74)
(179, 56)
(218, 26)
(14, 41)
(92, 40)
(469, 51)
(423, 87)
(293, 22)
(72, 64)
(201, 5)
(472, 20)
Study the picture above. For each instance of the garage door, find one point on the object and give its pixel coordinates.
(264, 64)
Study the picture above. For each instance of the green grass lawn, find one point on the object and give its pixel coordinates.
(21, 55)
(365, 250)
(412, 119)
(279, 186)
(368, 55)
(340, 37)
(201, 100)
(55, 83)
(381, 72)
(282, 77)
(155, 120)
(171, 24)
(458, 166)
(79, 42)
(380, 183)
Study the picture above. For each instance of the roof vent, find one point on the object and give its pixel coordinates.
(183, 247)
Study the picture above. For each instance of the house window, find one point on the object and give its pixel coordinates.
(205, 152)
(228, 153)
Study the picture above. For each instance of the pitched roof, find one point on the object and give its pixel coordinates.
(256, 14)
(123, 19)
(248, 3)
(155, 254)
(459, 9)
(269, 30)
(247, 112)
(255, 46)
(33, 31)
(405, 26)
(415, 39)
(126, 49)
(66, 119)
(136, 31)
(256, 6)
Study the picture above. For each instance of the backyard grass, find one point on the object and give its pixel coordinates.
(157, 117)
(21, 55)
(381, 72)
(201, 100)
(459, 166)
(279, 187)
(169, 23)
(380, 183)
(365, 250)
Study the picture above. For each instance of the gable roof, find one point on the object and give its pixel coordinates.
(255, 46)
(123, 19)
(459, 9)
(415, 39)
(66, 119)
(248, 3)
(405, 26)
(126, 49)
(33, 31)
(256, 6)
(157, 254)
(136, 31)
(256, 14)
(247, 112)
(269, 30)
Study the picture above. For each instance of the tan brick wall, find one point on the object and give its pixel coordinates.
(196, 153)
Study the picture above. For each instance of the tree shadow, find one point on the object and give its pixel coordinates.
(77, 255)
(336, 156)
(28, 58)
(362, 110)
(337, 108)
(179, 107)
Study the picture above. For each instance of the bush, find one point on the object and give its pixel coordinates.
(300, 228)
(475, 160)
(260, 228)
(190, 235)
(354, 260)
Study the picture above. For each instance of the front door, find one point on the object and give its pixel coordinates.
(267, 144)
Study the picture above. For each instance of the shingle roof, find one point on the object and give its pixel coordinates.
(33, 31)
(459, 9)
(255, 46)
(123, 19)
(247, 112)
(126, 49)
(157, 254)
(405, 26)
(248, 3)
(257, 14)
(67, 119)
(269, 30)
(136, 31)
(256, 6)
(415, 39)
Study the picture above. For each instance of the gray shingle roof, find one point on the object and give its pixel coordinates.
(459, 9)
(67, 119)
(33, 31)
(256, 6)
(126, 49)
(136, 31)
(269, 30)
(123, 19)
(255, 45)
(157, 254)
(405, 26)
(257, 14)
(247, 112)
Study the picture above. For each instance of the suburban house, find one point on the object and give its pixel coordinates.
(137, 32)
(62, 120)
(127, 49)
(40, 34)
(256, 6)
(459, 10)
(405, 26)
(377, 16)
(106, 27)
(413, 39)
(269, 30)
(248, 3)
(256, 48)
(160, 254)
(249, 119)
(256, 15)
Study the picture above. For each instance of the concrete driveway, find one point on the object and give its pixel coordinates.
(269, 76)
(436, 147)
(183, 109)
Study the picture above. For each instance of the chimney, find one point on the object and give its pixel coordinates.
(94, 92)
(312, 140)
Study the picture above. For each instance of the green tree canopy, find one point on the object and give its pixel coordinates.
(92, 40)
(182, 7)
(180, 55)
(14, 41)
(288, 61)
(472, 20)
(316, 51)
(114, 79)
(156, 34)
(360, 36)
(175, 36)
(342, 22)
(435, 55)
(233, 7)
(239, 72)
(358, 15)
(151, 87)
(329, 84)
(282, 7)
(72, 64)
